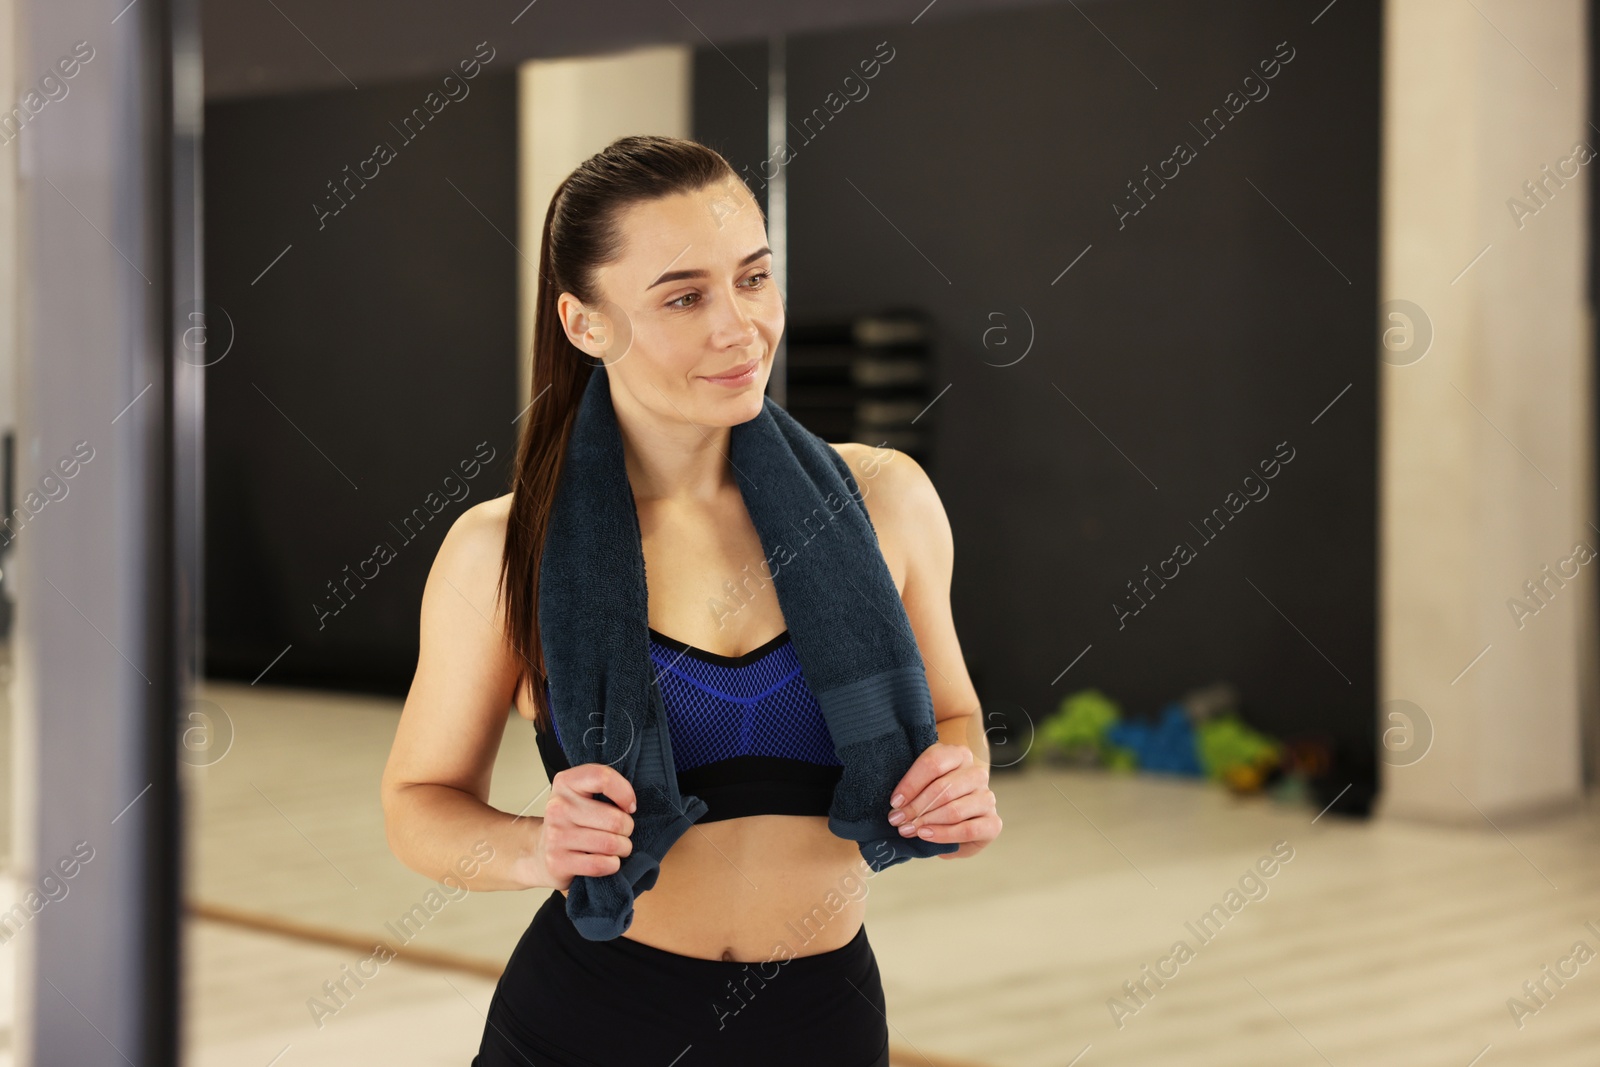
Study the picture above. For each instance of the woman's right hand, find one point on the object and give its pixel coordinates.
(582, 834)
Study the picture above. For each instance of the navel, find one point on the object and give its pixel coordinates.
(727, 955)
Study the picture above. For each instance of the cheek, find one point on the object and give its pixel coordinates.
(672, 346)
(771, 315)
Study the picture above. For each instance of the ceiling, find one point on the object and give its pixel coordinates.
(268, 47)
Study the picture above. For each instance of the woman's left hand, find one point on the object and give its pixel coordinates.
(945, 797)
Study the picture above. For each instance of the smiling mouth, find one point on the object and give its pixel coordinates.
(737, 372)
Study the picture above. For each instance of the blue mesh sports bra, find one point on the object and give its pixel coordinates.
(748, 737)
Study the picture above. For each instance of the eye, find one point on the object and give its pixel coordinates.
(759, 277)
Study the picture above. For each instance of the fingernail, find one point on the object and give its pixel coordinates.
(908, 829)
(895, 802)
(897, 818)
(926, 831)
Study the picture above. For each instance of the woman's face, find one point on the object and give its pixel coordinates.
(691, 300)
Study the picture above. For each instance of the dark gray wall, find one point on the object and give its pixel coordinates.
(368, 362)
(1173, 358)
(295, 45)
(729, 104)
(986, 156)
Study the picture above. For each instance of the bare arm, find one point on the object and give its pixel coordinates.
(930, 566)
(435, 786)
(945, 795)
(915, 533)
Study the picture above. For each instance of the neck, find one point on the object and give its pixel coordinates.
(669, 459)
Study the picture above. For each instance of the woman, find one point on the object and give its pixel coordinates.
(751, 946)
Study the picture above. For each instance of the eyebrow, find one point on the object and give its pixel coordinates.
(676, 275)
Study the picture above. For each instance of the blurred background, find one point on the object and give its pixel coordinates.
(1248, 344)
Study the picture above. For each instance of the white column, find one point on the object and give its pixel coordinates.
(1485, 466)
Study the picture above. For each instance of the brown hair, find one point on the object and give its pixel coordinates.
(582, 231)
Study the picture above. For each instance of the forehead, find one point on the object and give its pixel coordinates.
(710, 228)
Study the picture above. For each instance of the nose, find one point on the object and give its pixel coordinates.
(736, 327)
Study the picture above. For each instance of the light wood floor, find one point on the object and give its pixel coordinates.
(1375, 945)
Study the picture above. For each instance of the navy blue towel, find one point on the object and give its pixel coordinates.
(844, 615)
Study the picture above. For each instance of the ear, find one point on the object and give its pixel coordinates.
(602, 333)
(580, 324)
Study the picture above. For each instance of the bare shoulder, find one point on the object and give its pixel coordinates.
(898, 482)
(469, 557)
(481, 529)
(455, 711)
(901, 501)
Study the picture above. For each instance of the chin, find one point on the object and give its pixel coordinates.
(748, 404)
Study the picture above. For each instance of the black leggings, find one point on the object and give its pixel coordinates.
(566, 1001)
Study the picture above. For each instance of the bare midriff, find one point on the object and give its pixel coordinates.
(756, 888)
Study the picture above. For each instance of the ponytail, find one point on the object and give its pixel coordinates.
(581, 233)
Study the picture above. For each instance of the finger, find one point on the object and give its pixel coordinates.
(939, 792)
(584, 840)
(969, 805)
(575, 807)
(595, 814)
(933, 761)
(601, 778)
(983, 828)
(567, 827)
(957, 783)
(593, 866)
(583, 864)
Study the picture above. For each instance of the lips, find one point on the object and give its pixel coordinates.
(737, 372)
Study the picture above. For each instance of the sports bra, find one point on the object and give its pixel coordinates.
(748, 736)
